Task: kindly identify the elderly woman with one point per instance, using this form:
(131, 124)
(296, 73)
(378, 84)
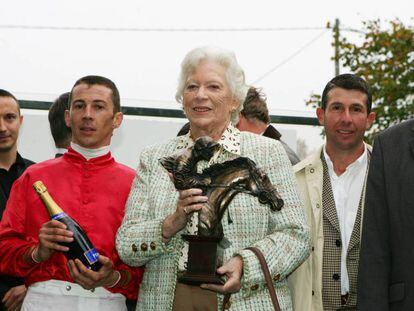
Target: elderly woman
(211, 89)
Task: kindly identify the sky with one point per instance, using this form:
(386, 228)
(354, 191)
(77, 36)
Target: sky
(46, 45)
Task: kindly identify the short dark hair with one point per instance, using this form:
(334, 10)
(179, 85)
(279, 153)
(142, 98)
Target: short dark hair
(61, 133)
(255, 107)
(93, 80)
(348, 81)
(4, 93)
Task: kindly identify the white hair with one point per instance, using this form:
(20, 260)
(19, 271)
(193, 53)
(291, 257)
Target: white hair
(227, 59)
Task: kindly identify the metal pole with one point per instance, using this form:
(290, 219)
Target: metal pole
(336, 44)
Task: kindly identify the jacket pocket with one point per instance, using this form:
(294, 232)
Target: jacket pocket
(396, 292)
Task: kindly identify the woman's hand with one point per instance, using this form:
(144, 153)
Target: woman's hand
(189, 201)
(233, 269)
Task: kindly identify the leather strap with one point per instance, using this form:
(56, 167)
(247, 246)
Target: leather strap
(267, 276)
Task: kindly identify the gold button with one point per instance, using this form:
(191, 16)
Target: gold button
(134, 248)
(276, 277)
(144, 247)
(254, 287)
(153, 246)
(227, 305)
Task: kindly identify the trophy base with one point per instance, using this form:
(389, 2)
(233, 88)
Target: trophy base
(194, 279)
(203, 260)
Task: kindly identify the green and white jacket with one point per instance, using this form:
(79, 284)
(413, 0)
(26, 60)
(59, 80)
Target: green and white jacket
(282, 236)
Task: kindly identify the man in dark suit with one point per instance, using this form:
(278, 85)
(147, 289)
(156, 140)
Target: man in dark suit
(386, 277)
(61, 133)
(12, 165)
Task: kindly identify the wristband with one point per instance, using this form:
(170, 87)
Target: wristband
(33, 257)
(117, 280)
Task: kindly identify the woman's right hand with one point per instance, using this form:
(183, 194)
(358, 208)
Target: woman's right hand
(189, 201)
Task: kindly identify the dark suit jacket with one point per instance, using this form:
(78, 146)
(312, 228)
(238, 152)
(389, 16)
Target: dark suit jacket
(271, 132)
(20, 170)
(7, 282)
(386, 271)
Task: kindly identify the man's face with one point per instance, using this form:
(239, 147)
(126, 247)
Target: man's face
(10, 122)
(91, 116)
(345, 119)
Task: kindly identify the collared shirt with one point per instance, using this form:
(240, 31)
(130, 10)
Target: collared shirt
(7, 178)
(347, 189)
(229, 148)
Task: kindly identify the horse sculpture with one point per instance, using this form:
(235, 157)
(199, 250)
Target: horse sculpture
(220, 183)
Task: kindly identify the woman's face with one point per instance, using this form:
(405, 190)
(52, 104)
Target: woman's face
(208, 100)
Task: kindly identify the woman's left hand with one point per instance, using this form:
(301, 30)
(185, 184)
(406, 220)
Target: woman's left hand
(233, 269)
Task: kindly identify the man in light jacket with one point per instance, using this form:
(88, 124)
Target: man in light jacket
(332, 184)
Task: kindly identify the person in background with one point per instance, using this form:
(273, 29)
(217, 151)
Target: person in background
(332, 182)
(61, 133)
(255, 118)
(91, 188)
(12, 165)
(386, 273)
(211, 89)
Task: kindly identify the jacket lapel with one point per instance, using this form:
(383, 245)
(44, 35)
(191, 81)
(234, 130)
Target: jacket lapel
(329, 207)
(356, 232)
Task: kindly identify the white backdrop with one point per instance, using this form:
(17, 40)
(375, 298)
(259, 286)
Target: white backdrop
(136, 132)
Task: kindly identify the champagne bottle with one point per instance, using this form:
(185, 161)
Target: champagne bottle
(81, 247)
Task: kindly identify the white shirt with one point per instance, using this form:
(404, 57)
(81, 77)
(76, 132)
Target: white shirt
(347, 189)
(90, 153)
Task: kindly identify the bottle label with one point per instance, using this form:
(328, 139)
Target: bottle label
(59, 216)
(91, 255)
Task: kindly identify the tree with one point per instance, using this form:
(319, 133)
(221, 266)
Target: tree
(385, 58)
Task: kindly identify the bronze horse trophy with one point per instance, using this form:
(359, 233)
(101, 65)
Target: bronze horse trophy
(220, 183)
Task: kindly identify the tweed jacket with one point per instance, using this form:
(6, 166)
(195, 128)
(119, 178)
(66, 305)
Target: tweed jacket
(282, 236)
(305, 282)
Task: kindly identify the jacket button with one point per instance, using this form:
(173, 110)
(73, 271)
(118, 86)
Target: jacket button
(68, 287)
(335, 276)
(313, 293)
(153, 246)
(318, 205)
(276, 277)
(338, 243)
(134, 248)
(254, 287)
(313, 248)
(144, 247)
(312, 170)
